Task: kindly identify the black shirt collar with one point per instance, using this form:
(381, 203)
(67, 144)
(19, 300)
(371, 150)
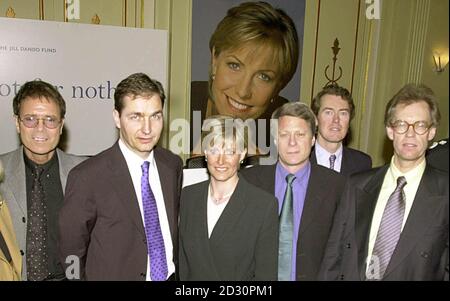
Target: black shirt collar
(31, 165)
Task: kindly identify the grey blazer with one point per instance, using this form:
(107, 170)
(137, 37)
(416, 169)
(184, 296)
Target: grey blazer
(14, 191)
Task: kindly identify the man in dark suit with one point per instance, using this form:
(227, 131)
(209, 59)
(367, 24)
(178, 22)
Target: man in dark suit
(437, 155)
(120, 214)
(392, 222)
(334, 109)
(39, 111)
(315, 190)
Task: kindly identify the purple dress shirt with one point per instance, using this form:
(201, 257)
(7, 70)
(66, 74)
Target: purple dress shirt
(299, 187)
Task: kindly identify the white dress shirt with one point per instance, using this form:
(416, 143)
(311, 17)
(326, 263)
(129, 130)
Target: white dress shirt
(134, 163)
(214, 211)
(323, 157)
(413, 178)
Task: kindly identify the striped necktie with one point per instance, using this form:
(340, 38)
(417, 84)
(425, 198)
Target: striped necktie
(332, 160)
(389, 232)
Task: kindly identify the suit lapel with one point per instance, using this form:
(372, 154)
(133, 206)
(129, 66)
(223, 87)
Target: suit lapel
(202, 220)
(230, 214)
(17, 181)
(313, 199)
(267, 177)
(366, 200)
(122, 183)
(166, 176)
(346, 162)
(426, 203)
(312, 156)
(64, 168)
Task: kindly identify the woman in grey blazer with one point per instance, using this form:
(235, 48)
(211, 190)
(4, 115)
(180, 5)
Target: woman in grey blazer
(228, 227)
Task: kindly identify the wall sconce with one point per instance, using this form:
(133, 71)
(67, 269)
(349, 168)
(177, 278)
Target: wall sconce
(440, 62)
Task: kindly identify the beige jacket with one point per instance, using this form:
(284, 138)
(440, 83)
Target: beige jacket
(9, 271)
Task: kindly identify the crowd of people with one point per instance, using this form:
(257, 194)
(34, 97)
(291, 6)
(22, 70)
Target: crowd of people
(320, 212)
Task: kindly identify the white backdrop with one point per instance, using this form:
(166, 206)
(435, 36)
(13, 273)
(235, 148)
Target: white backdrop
(85, 62)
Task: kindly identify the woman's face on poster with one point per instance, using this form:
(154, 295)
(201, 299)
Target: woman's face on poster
(244, 81)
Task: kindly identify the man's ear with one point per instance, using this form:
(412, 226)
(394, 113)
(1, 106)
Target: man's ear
(116, 117)
(431, 133)
(17, 123)
(62, 126)
(390, 132)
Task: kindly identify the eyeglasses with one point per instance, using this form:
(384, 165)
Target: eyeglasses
(31, 121)
(401, 127)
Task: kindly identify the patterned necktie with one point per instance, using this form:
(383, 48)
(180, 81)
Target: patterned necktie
(286, 233)
(155, 241)
(332, 160)
(36, 240)
(389, 231)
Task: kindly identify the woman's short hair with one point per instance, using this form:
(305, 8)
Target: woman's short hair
(261, 24)
(220, 129)
(409, 94)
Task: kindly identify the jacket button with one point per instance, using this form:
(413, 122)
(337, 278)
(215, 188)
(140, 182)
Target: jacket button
(424, 254)
(348, 246)
(143, 275)
(22, 253)
(24, 220)
(341, 277)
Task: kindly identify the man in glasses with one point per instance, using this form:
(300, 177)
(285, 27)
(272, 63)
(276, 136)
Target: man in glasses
(35, 178)
(392, 222)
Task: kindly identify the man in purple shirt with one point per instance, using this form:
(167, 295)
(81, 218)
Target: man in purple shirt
(313, 190)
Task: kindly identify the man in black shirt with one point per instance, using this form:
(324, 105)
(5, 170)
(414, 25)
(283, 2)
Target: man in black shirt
(35, 178)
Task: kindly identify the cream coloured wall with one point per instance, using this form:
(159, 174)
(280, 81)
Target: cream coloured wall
(437, 41)
(377, 57)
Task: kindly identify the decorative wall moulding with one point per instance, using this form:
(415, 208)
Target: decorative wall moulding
(332, 80)
(10, 13)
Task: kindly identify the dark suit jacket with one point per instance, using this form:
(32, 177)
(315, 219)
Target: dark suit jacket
(324, 191)
(100, 221)
(353, 161)
(422, 251)
(438, 155)
(244, 241)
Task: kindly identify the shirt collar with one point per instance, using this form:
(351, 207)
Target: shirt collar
(300, 175)
(322, 152)
(31, 165)
(133, 158)
(412, 176)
